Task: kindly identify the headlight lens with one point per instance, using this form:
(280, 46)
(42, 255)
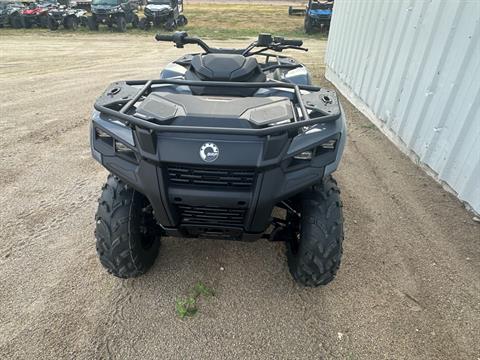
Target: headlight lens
(325, 147)
(329, 145)
(306, 155)
(124, 152)
(103, 136)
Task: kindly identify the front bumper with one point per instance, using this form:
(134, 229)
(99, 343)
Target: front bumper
(318, 20)
(234, 196)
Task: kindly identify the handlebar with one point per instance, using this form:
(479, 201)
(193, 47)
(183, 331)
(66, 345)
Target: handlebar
(161, 37)
(181, 38)
(288, 42)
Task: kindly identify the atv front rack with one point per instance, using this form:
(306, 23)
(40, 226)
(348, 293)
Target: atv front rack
(117, 104)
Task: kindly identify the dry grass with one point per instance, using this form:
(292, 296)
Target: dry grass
(228, 21)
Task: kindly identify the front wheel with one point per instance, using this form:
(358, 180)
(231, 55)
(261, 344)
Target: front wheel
(314, 249)
(182, 20)
(144, 24)
(126, 231)
(170, 24)
(92, 23)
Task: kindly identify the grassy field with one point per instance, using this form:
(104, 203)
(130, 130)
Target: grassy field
(219, 21)
(226, 21)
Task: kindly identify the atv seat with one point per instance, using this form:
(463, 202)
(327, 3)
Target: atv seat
(224, 67)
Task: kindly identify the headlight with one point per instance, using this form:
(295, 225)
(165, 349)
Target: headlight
(124, 151)
(329, 145)
(306, 155)
(103, 136)
(323, 148)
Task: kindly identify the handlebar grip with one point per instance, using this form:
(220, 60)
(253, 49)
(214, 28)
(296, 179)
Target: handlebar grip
(162, 37)
(292, 42)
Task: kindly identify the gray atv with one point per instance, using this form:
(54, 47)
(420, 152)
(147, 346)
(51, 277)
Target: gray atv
(233, 144)
(68, 16)
(10, 14)
(165, 13)
(113, 13)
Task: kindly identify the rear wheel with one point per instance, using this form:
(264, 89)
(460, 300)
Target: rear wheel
(135, 21)
(308, 25)
(16, 21)
(26, 23)
(52, 23)
(127, 241)
(92, 23)
(314, 248)
(121, 23)
(70, 23)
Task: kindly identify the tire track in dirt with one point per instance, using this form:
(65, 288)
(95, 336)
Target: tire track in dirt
(121, 297)
(35, 223)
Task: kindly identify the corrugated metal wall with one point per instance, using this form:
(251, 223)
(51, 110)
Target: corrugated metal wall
(413, 67)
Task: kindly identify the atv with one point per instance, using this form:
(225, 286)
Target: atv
(37, 14)
(113, 12)
(166, 13)
(10, 14)
(318, 15)
(69, 17)
(232, 144)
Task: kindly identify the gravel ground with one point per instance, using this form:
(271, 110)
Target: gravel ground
(408, 288)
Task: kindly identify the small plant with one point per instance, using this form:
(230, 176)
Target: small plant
(188, 307)
(201, 289)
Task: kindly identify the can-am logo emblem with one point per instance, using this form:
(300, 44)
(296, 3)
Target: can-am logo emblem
(209, 152)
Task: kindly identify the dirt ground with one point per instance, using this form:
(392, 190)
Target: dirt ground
(408, 287)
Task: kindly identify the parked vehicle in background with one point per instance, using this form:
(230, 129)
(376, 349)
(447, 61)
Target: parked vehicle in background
(68, 16)
(36, 14)
(296, 11)
(112, 13)
(318, 15)
(10, 14)
(166, 13)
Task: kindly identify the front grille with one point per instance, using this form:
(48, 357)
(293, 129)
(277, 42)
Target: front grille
(221, 177)
(209, 215)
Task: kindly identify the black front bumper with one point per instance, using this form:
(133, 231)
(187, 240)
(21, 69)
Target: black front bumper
(232, 198)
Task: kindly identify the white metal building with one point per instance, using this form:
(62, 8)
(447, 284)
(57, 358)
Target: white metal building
(413, 68)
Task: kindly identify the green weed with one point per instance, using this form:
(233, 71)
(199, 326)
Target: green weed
(188, 307)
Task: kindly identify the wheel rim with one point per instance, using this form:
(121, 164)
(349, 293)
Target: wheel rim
(147, 226)
(293, 228)
(147, 242)
(294, 242)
